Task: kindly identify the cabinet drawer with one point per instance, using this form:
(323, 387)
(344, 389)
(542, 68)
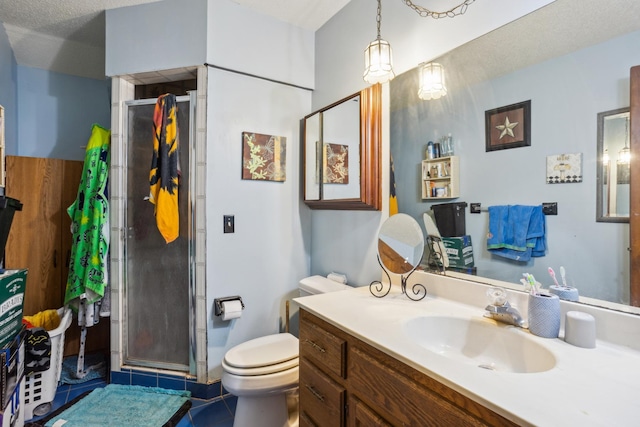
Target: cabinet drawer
(321, 399)
(323, 348)
(380, 385)
(360, 415)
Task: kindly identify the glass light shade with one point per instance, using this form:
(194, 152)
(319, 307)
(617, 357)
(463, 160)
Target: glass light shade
(624, 156)
(378, 65)
(432, 84)
(605, 157)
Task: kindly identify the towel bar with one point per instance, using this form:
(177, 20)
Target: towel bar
(550, 208)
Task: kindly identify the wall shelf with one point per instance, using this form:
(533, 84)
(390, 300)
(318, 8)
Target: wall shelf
(441, 178)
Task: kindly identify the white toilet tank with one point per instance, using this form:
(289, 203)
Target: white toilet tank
(319, 285)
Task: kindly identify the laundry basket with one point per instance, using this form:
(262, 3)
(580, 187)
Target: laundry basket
(40, 387)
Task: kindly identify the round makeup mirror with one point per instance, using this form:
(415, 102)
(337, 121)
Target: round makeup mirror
(400, 244)
(400, 250)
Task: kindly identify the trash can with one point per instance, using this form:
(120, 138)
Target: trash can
(450, 219)
(8, 206)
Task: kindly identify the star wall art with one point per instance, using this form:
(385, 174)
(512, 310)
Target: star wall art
(508, 126)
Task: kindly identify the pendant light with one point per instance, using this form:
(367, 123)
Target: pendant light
(432, 84)
(624, 155)
(378, 66)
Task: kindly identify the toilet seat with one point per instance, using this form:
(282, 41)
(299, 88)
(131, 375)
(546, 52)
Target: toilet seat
(262, 356)
(260, 370)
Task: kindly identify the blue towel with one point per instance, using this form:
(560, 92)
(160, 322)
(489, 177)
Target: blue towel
(517, 232)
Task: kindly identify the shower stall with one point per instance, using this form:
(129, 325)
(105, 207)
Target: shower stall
(158, 283)
(158, 290)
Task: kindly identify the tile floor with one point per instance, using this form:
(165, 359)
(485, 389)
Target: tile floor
(203, 413)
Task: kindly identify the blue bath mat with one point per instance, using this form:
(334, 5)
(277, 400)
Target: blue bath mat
(122, 405)
(95, 366)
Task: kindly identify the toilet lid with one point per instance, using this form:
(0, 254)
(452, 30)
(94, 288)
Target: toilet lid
(263, 351)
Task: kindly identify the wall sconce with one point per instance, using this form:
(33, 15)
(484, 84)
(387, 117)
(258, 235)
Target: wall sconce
(605, 157)
(378, 67)
(432, 84)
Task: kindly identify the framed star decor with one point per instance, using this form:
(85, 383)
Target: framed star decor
(508, 126)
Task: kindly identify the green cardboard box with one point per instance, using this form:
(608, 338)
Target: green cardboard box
(12, 287)
(459, 250)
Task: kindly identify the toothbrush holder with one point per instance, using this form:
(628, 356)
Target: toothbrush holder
(544, 315)
(565, 292)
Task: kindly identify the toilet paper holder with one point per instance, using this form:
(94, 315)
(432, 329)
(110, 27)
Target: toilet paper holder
(217, 303)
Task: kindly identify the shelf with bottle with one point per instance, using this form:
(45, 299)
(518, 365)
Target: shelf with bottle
(440, 178)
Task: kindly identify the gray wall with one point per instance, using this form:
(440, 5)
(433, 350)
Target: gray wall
(56, 112)
(566, 94)
(8, 91)
(48, 114)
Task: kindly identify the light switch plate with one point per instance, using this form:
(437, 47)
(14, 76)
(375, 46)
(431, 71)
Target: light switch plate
(229, 224)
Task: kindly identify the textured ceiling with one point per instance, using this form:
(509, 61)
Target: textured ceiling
(68, 36)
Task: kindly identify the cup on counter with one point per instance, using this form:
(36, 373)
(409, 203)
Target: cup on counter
(544, 315)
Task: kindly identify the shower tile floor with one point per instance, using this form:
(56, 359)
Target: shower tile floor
(203, 413)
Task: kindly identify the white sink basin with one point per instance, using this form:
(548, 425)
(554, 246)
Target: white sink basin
(481, 343)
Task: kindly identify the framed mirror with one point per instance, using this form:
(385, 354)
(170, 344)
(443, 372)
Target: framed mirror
(614, 156)
(342, 153)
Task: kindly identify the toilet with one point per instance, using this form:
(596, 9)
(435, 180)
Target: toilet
(263, 372)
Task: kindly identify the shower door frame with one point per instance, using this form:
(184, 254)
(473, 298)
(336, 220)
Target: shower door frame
(136, 362)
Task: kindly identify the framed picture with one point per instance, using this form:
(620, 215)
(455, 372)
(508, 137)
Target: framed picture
(336, 163)
(564, 168)
(264, 157)
(508, 127)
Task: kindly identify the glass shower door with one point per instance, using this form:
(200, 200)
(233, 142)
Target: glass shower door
(157, 275)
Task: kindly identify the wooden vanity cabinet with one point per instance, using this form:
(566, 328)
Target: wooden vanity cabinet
(346, 382)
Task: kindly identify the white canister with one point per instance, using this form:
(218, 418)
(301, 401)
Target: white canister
(580, 329)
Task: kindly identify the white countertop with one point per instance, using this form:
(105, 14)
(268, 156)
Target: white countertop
(587, 387)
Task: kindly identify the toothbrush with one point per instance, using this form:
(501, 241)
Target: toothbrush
(532, 283)
(553, 276)
(563, 274)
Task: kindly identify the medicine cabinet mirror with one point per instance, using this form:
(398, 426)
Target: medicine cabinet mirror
(614, 154)
(342, 153)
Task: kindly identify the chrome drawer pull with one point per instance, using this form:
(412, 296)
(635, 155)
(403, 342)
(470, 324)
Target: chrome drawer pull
(314, 345)
(315, 393)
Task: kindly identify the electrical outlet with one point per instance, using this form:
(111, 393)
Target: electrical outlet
(229, 224)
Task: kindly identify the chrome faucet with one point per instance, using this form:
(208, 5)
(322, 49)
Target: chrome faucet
(500, 309)
(505, 313)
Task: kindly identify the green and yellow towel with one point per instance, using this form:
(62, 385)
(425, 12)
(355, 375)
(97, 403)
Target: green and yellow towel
(90, 224)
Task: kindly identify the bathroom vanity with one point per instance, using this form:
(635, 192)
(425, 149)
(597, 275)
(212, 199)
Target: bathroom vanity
(343, 378)
(367, 361)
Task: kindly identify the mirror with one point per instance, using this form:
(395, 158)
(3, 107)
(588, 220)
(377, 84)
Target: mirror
(400, 250)
(342, 153)
(400, 244)
(614, 155)
(569, 80)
